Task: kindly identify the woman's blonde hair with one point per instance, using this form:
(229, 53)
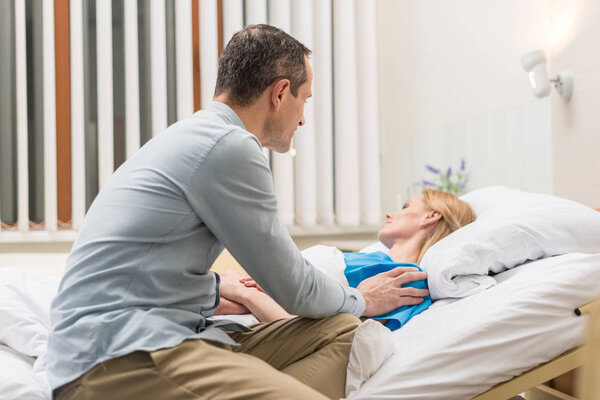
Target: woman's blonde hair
(455, 214)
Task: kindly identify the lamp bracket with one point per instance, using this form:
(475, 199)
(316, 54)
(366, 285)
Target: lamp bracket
(563, 83)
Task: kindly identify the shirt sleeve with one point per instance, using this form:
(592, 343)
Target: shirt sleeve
(232, 193)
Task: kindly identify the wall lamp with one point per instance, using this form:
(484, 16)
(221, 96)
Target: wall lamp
(535, 64)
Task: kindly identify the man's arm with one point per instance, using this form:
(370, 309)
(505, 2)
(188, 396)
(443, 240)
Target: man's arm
(376, 287)
(232, 193)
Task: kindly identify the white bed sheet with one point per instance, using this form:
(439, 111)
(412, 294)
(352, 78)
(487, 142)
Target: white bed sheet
(458, 349)
(18, 380)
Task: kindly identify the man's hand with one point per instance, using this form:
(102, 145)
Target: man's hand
(231, 287)
(384, 292)
(230, 290)
(228, 307)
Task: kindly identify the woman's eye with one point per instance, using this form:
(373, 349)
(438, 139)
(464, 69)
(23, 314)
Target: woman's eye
(404, 206)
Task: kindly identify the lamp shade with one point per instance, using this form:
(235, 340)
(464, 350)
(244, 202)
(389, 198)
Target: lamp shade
(534, 63)
(538, 79)
(533, 58)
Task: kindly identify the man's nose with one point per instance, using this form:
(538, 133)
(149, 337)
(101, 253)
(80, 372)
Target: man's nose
(301, 123)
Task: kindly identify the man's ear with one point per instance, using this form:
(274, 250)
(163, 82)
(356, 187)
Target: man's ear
(432, 218)
(278, 93)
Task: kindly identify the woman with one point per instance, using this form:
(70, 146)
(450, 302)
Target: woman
(408, 233)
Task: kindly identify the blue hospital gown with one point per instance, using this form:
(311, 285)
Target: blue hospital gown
(360, 266)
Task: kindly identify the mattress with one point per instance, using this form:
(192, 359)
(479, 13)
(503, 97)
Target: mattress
(458, 349)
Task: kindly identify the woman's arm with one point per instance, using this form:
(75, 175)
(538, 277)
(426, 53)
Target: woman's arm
(264, 308)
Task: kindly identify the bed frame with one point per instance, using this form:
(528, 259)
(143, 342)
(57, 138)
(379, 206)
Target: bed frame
(586, 356)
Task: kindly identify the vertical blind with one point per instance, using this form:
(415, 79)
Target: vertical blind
(83, 84)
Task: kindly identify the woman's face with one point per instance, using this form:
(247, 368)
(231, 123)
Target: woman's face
(404, 223)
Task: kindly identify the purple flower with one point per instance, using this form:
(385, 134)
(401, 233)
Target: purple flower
(427, 183)
(449, 172)
(432, 169)
(462, 185)
(462, 164)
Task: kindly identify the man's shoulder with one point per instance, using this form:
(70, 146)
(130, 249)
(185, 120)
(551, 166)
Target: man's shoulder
(218, 132)
(238, 141)
(198, 144)
(195, 137)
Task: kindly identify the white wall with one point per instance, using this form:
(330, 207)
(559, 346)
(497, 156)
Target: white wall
(576, 124)
(450, 79)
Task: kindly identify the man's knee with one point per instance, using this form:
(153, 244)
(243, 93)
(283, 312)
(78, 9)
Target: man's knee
(345, 322)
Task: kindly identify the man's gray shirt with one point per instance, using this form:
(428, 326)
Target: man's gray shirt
(138, 275)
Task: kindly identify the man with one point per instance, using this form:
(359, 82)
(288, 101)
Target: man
(130, 319)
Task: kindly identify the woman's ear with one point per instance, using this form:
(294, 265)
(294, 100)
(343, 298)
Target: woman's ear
(280, 89)
(432, 217)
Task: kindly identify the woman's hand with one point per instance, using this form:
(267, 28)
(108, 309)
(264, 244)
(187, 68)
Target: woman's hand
(251, 297)
(384, 292)
(248, 281)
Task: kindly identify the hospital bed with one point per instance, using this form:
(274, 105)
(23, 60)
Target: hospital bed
(494, 344)
(515, 335)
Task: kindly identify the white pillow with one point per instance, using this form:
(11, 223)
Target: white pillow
(511, 227)
(329, 260)
(25, 299)
(17, 379)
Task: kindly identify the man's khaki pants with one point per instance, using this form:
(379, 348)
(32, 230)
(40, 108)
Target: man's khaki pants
(295, 358)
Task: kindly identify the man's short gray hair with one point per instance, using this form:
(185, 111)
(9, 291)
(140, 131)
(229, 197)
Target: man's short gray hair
(254, 58)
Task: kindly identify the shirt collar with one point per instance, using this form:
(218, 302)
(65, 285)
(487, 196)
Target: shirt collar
(226, 113)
